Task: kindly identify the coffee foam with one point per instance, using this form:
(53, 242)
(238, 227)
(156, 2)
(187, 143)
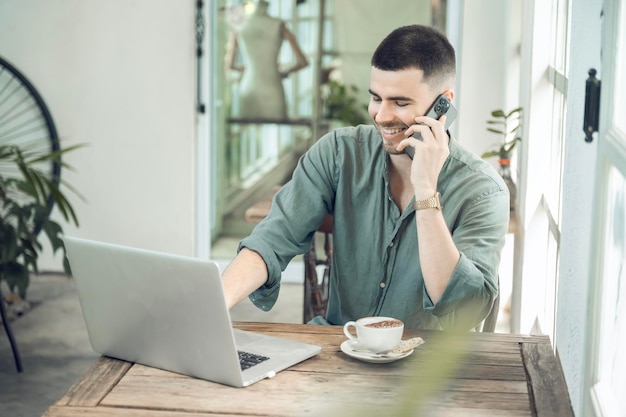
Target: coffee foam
(384, 324)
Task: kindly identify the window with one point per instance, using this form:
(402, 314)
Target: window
(543, 144)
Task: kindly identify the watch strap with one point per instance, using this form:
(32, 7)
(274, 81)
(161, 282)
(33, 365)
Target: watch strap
(431, 202)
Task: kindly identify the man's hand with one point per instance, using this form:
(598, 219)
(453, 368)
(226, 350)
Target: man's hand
(431, 152)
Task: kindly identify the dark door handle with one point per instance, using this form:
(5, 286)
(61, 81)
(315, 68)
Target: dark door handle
(592, 105)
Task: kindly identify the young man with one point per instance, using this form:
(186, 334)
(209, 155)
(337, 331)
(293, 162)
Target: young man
(417, 239)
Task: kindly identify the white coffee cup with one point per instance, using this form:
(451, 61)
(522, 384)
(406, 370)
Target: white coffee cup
(376, 334)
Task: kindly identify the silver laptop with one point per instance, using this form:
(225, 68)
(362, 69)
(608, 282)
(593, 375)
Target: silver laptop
(169, 312)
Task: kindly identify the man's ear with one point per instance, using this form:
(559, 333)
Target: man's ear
(449, 93)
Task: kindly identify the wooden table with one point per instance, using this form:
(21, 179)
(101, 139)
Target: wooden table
(478, 374)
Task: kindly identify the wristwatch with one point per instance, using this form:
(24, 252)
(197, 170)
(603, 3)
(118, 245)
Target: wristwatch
(432, 202)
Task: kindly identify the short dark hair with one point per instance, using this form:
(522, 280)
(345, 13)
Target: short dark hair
(417, 46)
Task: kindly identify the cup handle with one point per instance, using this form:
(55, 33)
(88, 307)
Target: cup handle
(346, 330)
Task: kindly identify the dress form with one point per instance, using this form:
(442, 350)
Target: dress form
(259, 40)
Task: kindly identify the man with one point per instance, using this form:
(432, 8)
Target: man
(432, 267)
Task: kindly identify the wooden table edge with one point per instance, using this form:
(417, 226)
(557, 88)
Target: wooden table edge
(96, 383)
(547, 388)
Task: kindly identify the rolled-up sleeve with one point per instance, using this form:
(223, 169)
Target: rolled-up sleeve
(479, 237)
(297, 210)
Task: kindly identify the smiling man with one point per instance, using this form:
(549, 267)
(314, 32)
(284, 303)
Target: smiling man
(417, 239)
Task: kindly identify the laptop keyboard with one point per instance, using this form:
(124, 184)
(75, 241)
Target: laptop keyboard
(248, 360)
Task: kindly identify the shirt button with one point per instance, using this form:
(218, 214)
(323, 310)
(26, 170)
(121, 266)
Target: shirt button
(391, 244)
(382, 285)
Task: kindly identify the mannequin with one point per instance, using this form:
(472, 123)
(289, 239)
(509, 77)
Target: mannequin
(259, 39)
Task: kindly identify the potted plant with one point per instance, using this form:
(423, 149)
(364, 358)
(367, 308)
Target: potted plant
(341, 104)
(507, 125)
(27, 195)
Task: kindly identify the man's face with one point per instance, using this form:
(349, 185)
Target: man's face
(396, 98)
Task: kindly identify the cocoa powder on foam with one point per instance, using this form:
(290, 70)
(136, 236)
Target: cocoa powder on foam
(384, 324)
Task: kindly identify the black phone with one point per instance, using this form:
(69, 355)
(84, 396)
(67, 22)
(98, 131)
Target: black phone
(440, 106)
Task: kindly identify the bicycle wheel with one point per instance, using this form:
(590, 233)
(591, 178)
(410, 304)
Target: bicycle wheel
(25, 121)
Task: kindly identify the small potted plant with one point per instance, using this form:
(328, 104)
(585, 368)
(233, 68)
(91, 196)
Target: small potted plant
(507, 125)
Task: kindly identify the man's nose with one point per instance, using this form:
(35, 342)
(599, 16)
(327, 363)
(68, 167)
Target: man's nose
(385, 113)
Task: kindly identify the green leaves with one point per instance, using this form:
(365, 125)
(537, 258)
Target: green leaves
(507, 126)
(340, 103)
(26, 191)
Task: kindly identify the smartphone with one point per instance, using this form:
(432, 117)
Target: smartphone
(440, 106)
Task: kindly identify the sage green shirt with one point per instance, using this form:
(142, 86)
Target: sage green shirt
(375, 266)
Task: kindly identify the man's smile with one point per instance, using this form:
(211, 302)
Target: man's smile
(390, 132)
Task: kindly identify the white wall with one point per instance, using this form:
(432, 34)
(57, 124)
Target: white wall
(488, 67)
(119, 76)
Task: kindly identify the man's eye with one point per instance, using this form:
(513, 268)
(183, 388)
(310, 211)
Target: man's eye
(401, 104)
(375, 98)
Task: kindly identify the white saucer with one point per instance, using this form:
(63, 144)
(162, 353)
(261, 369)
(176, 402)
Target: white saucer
(349, 348)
